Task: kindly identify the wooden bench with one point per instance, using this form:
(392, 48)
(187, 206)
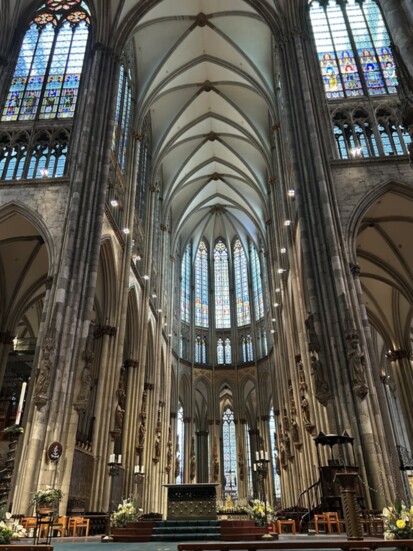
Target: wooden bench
(304, 543)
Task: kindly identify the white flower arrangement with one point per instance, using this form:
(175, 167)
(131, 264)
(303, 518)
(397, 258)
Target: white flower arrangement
(258, 510)
(127, 512)
(398, 520)
(10, 529)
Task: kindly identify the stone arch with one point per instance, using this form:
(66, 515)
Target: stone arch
(107, 283)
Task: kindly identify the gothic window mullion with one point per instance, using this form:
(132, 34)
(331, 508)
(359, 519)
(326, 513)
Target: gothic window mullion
(325, 6)
(342, 4)
(59, 98)
(361, 2)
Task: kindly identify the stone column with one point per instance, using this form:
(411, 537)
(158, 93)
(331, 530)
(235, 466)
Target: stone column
(202, 455)
(400, 20)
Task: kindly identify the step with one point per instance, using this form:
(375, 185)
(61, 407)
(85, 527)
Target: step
(131, 538)
(188, 523)
(185, 537)
(185, 530)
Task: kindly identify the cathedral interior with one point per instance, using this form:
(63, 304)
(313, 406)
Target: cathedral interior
(205, 210)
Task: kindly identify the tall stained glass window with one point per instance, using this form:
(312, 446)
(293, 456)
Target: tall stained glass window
(186, 285)
(201, 286)
(353, 48)
(220, 352)
(229, 445)
(242, 297)
(247, 349)
(122, 117)
(257, 284)
(273, 440)
(228, 351)
(200, 350)
(249, 465)
(46, 79)
(180, 443)
(221, 274)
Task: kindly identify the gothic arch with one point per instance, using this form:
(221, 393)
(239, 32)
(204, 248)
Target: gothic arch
(107, 282)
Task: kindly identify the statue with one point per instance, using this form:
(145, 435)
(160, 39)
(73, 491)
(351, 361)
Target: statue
(192, 467)
(287, 444)
(357, 364)
(322, 389)
(157, 449)
(305, 408)
(119, 414)
(313, 342)
(44, 372)
(142, 433)
(295, 435)
(240, 466)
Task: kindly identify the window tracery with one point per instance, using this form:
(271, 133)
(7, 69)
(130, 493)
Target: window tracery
(353, 48)
(123, 112)
(242, 297)
(257, 284)
(201, 286)
(229, 444)
(186, 285)
(221, 272)
(45, 83)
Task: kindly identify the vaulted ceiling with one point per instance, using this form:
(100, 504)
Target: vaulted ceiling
(205, 74)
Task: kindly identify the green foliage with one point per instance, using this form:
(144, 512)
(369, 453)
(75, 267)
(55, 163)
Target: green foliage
(398, 520)
(47, 497)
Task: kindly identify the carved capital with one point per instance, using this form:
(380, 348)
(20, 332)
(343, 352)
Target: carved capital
(354, 269)
(102, 330)
(131, 363)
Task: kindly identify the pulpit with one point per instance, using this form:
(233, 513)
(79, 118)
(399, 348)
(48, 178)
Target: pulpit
(192, 501)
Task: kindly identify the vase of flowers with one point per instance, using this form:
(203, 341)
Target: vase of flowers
(47, 501)
(10, 529)
(258, 511)
(126, 512)
(398, 521)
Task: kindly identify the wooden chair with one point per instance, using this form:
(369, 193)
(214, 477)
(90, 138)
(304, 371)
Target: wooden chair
(290, 523)
(333, 521)
(29, 523)
(320, 520)
(60, 526)
(78, 523)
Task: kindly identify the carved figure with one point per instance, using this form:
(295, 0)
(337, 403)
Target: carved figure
(119, 414)
(322, 389)
(295, 435)
(44, 374)
(287, 444)
(240, 466)
(142, 433)
(357, 367)
(305, 408)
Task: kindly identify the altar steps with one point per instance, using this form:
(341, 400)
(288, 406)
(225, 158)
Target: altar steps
(189, 530)
(186, 530)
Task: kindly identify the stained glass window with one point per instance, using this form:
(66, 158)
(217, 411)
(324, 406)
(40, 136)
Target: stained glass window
(201, 286)
(229, 445)
(122, 117)
(348, 71)
(228, 351)
(273, 439)
(180, 443)
(247, 349)
(186, 284)
(200, 350)
(46, 79)
(249, 465)
(220, 352)
(222, 306)
(257, 284)
(242, 297)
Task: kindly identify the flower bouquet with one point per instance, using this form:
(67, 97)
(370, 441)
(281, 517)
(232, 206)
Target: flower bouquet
(10, 529)
(398, 521)
(127, 512)
(258, 510)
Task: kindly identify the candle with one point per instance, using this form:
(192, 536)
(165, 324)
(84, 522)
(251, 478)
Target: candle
(255, 467)
(119, 459)
(112, 458)
(142, 470)
(266, 456)
(261, 454)
(20, 406)
(257, 456)
(136, 469)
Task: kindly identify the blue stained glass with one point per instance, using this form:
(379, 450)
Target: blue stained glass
(39, 80)
(229, 445)
(241, 285)
(257, 284)
(339, 66)
(186, 284)
(221, 273)
(220, 352)
(228, 352)
(341, 143)
(201, 286)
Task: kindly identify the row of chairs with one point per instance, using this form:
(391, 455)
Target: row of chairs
(61, 526)
(330, 522)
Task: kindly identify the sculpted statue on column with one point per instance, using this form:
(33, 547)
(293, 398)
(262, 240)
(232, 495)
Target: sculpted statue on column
(357, 365)
(41, 391)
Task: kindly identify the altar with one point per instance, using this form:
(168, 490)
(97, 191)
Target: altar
(192, 501)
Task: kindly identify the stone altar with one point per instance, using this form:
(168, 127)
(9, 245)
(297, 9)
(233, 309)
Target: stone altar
(191, 501)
